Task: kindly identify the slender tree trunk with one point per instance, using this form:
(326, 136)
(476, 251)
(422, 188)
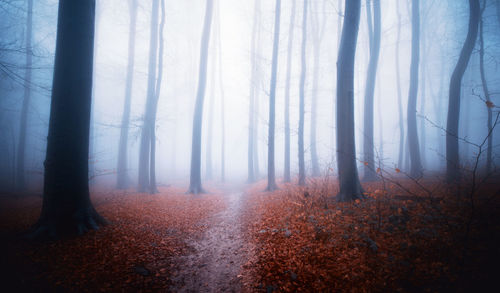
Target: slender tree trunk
(252, 107)
(452, 155)
(66, 206)
(145, 147)
(333, 124)
(423, 94)
(21, 146)
(222, 105)
(195, 178)
(400, 98)
(302, 169)
(415, 164)
(122, 168)
(271, 181)
(368, 142)
(350, 188)
(208, 158)
(152, 163)
(486, 93)
(291, 27)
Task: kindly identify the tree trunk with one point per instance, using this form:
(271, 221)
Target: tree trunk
(350, 188)
(302, 169)
(222, 105)
(271, 181)
(152, 163)
(145, 147)
(400, 99)
(21, 146)
(286, 171)
(423, 94)
(368, 143)
(122, 168)
(208, 155)
(66, 203)
(252, 107)
(415, 164)
(452, 155)
(486, 93)
(195, 178)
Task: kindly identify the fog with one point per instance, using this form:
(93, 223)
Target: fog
(443, 31)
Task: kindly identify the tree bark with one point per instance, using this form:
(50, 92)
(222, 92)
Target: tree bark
(302, 169)
(350, 187)
(286, 170)
(368, 142)
(195, 178)
(21, 146)
(452, 154)
(222, 105)
(271, 181)
(145, 147)
(67, 208)
(415, 163)
(122, 168)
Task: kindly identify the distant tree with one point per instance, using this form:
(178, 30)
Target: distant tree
(291, 27)
(452, 158)
(122, 169)
(302, 169)
(271, 181)
(21, 146)
(400, 99)
(195, 178)
(66, 203)
(374, 37)
(318, 32)
(147, 126)
(486, 91)
(222, 105)
(253, 101)
(350, 187)
(415, 164)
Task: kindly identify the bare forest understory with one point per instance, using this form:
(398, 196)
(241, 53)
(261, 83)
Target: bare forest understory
(405, 236)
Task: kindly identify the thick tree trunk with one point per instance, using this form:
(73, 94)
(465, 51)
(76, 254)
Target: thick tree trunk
(368, 142)
(350, 188)
(286, 170)
(302, 169)
(486, 92)
(271, 181)
(415, 164)
(195, 178)
(122, 168)
(452, 154)
(152, 163)
(21, 146)
(400, 99)
(66, 206)
(252, 107)
(145, 147)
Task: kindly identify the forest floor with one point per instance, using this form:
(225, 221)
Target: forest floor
(405, 236)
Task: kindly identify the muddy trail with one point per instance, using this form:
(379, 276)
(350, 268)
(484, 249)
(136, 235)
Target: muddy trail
(217, 257)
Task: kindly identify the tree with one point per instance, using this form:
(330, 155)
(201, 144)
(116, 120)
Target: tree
(252, 137)
(21, 146)
(400, 99)
(415, 164)
(318, 32)
(222, 110)
(66, 203)
(291, 27)
(195, 178)
(486, 92)
(302, 169)
(271, 181)
(374, 37)
(122, 171)
(350, 187)
(145, 147)
(452, 158)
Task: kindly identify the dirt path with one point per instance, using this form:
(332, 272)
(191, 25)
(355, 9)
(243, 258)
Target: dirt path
(215, 264)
